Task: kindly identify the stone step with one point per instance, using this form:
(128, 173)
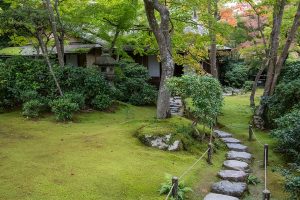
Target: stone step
(240, 156)
(231, 140)
(236, 189)
(222, 134)
(237, 147)
(214, 196)
(232, 175)
(236, 165)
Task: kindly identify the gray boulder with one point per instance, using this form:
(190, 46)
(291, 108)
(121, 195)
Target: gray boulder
(214, 196)
(235, 189)
(236, 165)
(233, 175)
(240, 156)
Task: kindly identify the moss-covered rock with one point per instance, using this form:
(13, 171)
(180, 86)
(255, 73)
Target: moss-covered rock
(173, 134)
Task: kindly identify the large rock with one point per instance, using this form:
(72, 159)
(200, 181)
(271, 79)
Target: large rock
(214, 196)
(231, 140)
(161, 142)
(236, 165)
(222, 134)
(233, 175)
(240, 156)
(235, 189)
(237, 147)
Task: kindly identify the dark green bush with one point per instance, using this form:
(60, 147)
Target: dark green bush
(287, 94)
(76, 98)
(247, 87)
(64, 109)
(287, 134)
(132, 84)
(236, 75)
(32, 108)
(24, 79)
(101, 102)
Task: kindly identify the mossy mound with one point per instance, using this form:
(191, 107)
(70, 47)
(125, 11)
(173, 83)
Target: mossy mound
(168, 131)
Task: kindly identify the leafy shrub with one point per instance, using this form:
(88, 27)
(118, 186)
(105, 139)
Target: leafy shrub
(292, 185)
(237, 75)
(23, 79)
(205, 92)
(76, 98)
(167, 186)
(287, 134)
(132, 85)
(101, 102)
(252, 180)
(247, 87)
(64, 109)
(32, 108)
(287, 94)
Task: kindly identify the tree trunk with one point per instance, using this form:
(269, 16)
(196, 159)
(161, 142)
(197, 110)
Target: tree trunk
(163, 38)
(55, 35)
(61, 36)
(273, 52)
(213, 42)
(254, 86)
(46, 56)
(284, 54)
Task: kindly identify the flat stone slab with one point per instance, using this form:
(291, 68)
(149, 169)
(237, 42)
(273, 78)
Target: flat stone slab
(240, 156)
(236, 165)
(237, 147)
(222, 134)
(235, 189)
(214, 196)
(233, 175)
(231, 140)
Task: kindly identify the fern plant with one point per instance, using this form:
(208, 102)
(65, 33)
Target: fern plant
(252, 180)
(167, 186)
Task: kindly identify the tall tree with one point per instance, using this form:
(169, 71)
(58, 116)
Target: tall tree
(162, 34)
(55, 33)
(276, 61)
(212, 34)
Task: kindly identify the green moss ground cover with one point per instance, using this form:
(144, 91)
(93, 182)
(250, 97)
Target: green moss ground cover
(95, 157)
(235, 118)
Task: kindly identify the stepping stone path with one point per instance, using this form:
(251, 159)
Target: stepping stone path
(176, 106)
(235, 173)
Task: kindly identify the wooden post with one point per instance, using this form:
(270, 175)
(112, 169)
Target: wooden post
(266, 154)
(250, 132)
(266, 194)
(209, 153)
(175, 187)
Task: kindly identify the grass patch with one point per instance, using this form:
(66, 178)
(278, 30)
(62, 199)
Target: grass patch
(95, 157)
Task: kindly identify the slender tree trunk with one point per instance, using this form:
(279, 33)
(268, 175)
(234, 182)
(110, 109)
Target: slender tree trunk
(46, 56)
(61, 36)
(284, 54)
(213, 42)
(54, 31)
(254, 86)
(163, 38)
(113, 43)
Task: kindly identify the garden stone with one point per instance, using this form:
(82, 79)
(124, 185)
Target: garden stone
(235, 189)
(214, 196)
(233, 175)
(237, 147)
(161, 142)
(175, 146)
(240, 156)
(222, 134)
(236, 165)
(231, 140)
